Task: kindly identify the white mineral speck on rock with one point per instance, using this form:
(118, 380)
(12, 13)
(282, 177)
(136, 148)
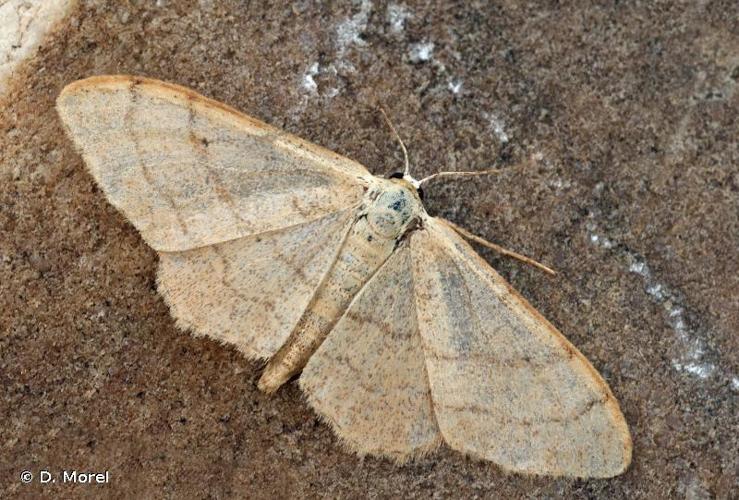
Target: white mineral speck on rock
(498, 128)
(421, 52)
(700, 370)
(599, 240)
(639, 268)
(309, 83)
(455, 86)
(349, 31)
(396, 17)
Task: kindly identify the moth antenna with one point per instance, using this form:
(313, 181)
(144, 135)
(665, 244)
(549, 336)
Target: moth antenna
(522, 165)
(508, 253)
(406, 171)
(460, 174)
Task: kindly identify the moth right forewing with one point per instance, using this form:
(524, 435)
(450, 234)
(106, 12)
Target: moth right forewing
(189, 172)
(506, 385)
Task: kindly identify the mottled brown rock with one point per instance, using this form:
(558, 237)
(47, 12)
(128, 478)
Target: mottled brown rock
(632, 110)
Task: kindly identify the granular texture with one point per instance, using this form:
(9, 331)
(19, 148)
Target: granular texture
(624, 115)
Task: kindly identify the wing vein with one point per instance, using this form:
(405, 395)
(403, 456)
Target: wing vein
(423, 343)
(279, 256)
(200, 147)
(512, 362)
(146, 173)
(573, 416)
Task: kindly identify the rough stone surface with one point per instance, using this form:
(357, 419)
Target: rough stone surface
(23, 25)
(624, 115)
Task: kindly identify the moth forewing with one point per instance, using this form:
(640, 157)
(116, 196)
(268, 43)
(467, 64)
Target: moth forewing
(190, 172)
(505, 384)
(295, 254)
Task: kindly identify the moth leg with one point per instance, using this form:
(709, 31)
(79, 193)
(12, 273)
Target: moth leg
(508, 253)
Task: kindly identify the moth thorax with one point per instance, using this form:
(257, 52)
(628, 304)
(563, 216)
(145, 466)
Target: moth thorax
(392, 210)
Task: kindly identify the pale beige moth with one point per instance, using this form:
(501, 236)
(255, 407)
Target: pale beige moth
(404, 338)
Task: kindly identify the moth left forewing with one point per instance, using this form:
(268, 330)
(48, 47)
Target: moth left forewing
(506, 385)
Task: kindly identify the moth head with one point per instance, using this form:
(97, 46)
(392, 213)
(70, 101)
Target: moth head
(410, 181)
(394, 208)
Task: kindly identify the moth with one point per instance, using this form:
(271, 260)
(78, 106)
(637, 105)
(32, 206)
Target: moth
(404, 338)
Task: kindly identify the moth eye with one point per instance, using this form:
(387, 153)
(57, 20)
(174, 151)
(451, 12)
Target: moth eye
(420, 193)
(395, 175)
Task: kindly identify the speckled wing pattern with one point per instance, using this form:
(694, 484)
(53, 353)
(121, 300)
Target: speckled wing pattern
(436, 347)
(190, 172)
(506, 386)
(247, 219)
(368, 377)
(251, 291)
